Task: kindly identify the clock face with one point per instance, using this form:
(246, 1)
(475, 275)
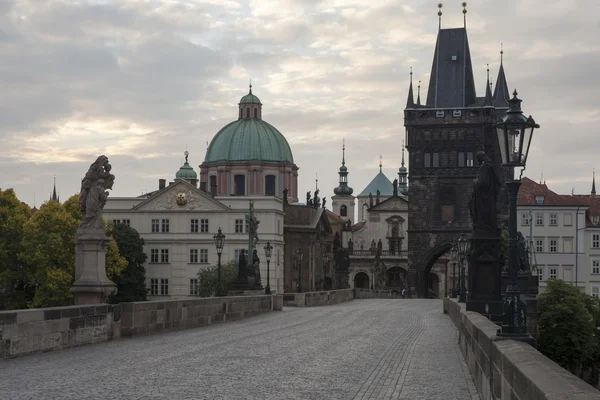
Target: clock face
(181, 199)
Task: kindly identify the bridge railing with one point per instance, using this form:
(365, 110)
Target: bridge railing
(384, 253)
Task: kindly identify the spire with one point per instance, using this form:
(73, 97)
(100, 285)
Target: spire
(464, 4)
(488, 92)
(402, 153)
(343, 152)
(402, 174)
(343, 188)
(440, 16)
(419, 94)
(594, 183)
(380, 163)
(410, 102)
(250, 87)
(501, 93)
(54, 196)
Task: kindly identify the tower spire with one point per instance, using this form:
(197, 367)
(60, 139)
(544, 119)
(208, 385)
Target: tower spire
(488, 92)
(440, 16)
(250, 85)
(501, 93)
(402, 174)
(380, 163)
(594, 182)
(54, 196)
(343, 188)
(464, 4)
(410, 102)
(343, 152)
(419, 94)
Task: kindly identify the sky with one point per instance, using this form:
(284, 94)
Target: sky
(142, 81)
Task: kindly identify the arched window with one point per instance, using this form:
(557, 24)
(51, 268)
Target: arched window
(213, 185)
(248, 112)
(239, 183)
(343, 211)
(365, 207)
(255, 112)
(395, 230)
(270, 185)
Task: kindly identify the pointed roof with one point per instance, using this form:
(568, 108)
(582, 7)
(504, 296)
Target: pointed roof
(54, 197)
(410, 102)
(451, 83)
(381, 182)
(343, 189)
(488, 91)
(501, 93)
(594, 183)
(419, 94)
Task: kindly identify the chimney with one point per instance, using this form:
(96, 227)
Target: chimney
(162, 183)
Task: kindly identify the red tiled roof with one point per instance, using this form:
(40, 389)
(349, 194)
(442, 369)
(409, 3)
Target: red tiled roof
(358, 226)
(530, 189)
(593, 202)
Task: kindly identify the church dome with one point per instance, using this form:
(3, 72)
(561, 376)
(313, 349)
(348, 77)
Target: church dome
(186, 172)
(250, 98)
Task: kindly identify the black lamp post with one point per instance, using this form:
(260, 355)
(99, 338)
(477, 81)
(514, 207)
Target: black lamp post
(299, 255)
(268, 248)
(219, 238)
(514, 137)
(454, 258)
(463, 251)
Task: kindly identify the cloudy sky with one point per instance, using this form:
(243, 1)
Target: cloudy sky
(142, 80)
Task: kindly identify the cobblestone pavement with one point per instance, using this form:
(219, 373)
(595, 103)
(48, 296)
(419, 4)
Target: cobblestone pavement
(363, 349)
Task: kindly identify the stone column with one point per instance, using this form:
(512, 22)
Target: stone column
(91, 286)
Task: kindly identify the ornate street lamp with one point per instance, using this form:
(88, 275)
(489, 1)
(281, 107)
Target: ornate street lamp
(299, 256)
(463, 252)
(453, 258)
(514, 137)
(219, 239)
(268, 248)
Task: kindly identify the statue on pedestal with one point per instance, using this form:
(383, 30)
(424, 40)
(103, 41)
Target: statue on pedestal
(482, 204)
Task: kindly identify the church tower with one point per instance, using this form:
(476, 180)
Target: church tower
(343, 201)
(442, 137)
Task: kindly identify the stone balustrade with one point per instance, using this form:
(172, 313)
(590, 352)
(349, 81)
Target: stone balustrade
(311, 299)
(509, 369)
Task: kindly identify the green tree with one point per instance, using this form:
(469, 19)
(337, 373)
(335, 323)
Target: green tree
(115, 263)
(15, 291)
(566, 328)
(131, 283)
(207, 279)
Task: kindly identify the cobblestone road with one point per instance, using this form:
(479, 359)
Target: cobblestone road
(363, 349)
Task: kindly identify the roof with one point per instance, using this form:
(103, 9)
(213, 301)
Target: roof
(186, 172)
(529, 190)
(249, 139)
(593, 202)
(501, 93)
(250, 98)
(358, 226)
(381, 182)
(300, 217)
(451, 82)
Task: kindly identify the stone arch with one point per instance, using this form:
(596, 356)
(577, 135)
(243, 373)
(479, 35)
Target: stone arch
(361, 280)
(396, 278)
(425, 264)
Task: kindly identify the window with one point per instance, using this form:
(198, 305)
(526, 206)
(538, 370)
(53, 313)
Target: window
(436, 160)
(153, 255)
(539, 200)
(461, 159)
(469, 159)
(595, 266)
(194, 226)
(164, 255)
(595, 291)
(155, 226)
(427, 160)
(553, 245)
(540, 273)
(567, 219)
(164, 225)
(204, 255)
(525, 219)
(539, 219)
(213, 185)
(194, 287)
(164, 287)
(553, 219)
(539, 245)
(122, 221)
(154, 286)
(567, 245)
(596, 241)
(270, 185)
(239, 185)
(256, 113)
(343, 211)
(248, 112)
(553, 273)
(204, 225)
(239, 226)
(193, 256)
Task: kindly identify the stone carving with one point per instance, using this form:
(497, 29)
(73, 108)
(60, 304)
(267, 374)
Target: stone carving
(252, 223)
(181, 199)
(324, 200)
(93, 192)
(308, 201)
(254, 271)
(316, 200)
(395, 185)
(171, 200)
(482, 204)
(350, 246)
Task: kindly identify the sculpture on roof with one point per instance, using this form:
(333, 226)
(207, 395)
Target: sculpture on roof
(94, 192)
(316, 200)
(395, 185)
(308, 201)
(377, 198)
(482, 204)
(324, 201)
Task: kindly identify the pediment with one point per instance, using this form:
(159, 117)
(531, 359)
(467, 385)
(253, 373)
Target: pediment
(394, 203)
(181, 196)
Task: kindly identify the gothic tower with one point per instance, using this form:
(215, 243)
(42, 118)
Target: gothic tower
(343, 201)
(442, 137)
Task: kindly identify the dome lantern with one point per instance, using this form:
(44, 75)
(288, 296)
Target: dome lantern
(186, 172)
(250, 106)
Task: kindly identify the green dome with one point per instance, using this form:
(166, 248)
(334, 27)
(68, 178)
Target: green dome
(250, 98)
(186, 172)
(249, 139)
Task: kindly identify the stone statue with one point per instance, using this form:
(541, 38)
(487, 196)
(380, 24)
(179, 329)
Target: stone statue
(337, 242)
(377, 198)
(316, 199)
(256, 268)
(94, 192)
(350, 246)
(523, 252)
(285, 195)
(324, 200)
(482, 204)
(308, 202)
(373, 247)
(242, 265)
(252, 223)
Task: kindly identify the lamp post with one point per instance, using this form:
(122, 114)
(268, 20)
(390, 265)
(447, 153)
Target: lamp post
(463, 251)
(514, 137)
(453, 258)
(219, 238)
(268, 248)
(299, 255)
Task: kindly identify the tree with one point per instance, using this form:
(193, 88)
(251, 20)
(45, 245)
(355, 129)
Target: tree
(566, 328)
(15, 292)
(131, 283)
(207, 279)
(115, 263)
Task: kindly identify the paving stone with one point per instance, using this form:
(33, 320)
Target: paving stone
(363, 349)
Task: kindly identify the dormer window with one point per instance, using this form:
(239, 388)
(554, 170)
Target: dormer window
(539, 200)
(595, 219)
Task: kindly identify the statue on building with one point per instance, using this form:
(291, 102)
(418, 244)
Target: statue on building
(350, 246)
(324, 200)
(373, 247)
(380, 246)
(94, 192)
(316, 199)
(523, 252)
(252, 224)
(308, 201)
(482, 204)
(377, 198)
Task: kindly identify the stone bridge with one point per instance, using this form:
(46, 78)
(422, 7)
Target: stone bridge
(363, 349)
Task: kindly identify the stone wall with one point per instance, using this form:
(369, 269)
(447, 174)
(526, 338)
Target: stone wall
(375, 294)
(311, 299)
(509, 369)
(38, 330)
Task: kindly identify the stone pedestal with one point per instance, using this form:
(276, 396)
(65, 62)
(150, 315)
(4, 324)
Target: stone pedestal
(91, 286)
(484, 284)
